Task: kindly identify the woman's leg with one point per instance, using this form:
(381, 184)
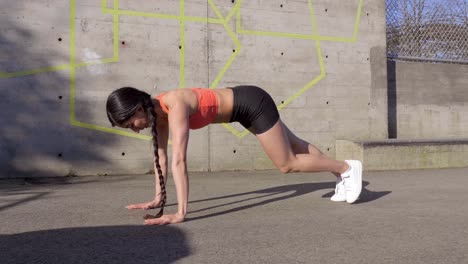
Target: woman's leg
(292, 154)
(300, 146)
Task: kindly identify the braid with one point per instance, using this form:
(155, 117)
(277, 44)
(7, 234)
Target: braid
(148, 105)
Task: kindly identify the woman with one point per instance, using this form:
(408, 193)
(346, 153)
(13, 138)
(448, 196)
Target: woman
(185, 109)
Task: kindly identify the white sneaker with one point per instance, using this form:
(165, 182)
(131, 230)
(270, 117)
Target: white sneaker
(352, 180)
(340, 192)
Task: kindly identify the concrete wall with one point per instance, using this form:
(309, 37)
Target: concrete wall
(428, 101)
(322, 61)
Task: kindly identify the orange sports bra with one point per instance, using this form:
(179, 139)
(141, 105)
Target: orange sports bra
(207, 107)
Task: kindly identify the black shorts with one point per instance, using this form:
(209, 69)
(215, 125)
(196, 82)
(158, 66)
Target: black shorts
(254, 108)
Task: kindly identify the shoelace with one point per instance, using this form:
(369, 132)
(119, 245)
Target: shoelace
(339, 188)
(347, 184)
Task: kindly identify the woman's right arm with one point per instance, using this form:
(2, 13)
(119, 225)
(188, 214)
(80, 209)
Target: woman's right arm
(179, 122)
(163, 137)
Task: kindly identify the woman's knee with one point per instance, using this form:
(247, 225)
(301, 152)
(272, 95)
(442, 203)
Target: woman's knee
(285, 170)
(286, 167)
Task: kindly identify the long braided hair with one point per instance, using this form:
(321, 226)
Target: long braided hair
(121, 106)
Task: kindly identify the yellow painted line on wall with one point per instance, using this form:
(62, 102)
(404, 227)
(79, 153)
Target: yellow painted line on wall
(231, 59)
(233, 11)
(320, 58)
(356, 23)
(116, 31)
(73, 120)
(294, 35)
(164, 16)
(237, 44)
(235, 132)
(232, 129)
(57, 68)
(159, 15)
(215, 9)
(303, 89)
(317, 42)
(72, 54)
(315, 36)
(72, 95)
(141, 14)
(239, 29)
(115, 44)
(182, 19)
(103, 6)
(110, 130)
(35, 71)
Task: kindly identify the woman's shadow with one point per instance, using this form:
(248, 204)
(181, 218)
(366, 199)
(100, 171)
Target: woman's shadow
(288, 191)
(103, 244)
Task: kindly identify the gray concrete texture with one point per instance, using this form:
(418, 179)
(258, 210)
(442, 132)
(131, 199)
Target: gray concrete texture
(428, 101)
(56, 72)
(239, 217)
(399, 154)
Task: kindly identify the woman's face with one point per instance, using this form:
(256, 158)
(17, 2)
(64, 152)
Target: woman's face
(137, 122)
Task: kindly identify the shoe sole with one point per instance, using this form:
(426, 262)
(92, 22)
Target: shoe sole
(333, 199)
(342, 200)
(358, 166)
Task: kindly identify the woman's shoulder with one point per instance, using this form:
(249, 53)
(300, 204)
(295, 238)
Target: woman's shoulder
(168, 94)
(176, 96)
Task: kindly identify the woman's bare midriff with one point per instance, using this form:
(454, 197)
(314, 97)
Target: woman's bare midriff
(225, 105)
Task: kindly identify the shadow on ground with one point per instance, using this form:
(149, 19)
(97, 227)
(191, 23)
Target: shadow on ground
(108, 244)
(24, 190)
(290, 191)
(366, 195)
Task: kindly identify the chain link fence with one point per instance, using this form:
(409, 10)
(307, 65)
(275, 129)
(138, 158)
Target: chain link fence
(428, 30)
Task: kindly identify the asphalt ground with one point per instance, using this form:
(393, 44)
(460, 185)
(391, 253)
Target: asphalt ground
(239, 217)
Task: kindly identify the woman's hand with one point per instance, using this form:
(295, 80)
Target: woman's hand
(166, 219)
(145, 206)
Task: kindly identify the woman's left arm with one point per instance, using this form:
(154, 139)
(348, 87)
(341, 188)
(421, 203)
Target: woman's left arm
(179, 124)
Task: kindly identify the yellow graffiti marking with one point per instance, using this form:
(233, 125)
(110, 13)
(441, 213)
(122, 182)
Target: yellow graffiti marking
(115, 58)
(220, 20)
(315, 36)
(237, 44)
